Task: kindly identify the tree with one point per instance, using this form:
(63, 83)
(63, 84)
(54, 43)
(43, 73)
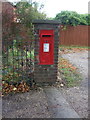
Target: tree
(83, 19)
(88, 19)
(7, 24)
(28, 11)
(71, 18)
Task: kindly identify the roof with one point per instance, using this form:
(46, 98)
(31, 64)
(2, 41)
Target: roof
(46, 22)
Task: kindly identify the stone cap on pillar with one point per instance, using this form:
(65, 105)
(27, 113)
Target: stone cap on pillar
(46, 22)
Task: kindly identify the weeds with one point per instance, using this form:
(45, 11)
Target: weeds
(69, 73)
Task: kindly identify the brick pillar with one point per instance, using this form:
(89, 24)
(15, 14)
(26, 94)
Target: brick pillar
(46, 73)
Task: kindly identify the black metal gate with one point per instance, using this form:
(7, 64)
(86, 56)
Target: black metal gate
(18, 59)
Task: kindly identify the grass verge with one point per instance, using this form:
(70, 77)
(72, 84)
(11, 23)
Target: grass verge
(69, 73)
(72, 49)
(72, 46)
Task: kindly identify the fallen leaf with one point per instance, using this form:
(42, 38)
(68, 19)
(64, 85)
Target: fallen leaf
(14, 89)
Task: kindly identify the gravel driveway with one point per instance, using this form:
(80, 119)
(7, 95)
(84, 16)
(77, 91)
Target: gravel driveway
(78, 96)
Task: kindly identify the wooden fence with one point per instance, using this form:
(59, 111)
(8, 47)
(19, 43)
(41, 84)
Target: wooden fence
(77, 35)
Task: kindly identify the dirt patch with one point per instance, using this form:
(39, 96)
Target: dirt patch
(32, 104)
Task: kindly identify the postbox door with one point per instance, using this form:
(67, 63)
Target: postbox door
(46, 50)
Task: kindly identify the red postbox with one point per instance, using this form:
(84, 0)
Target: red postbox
(46, 49)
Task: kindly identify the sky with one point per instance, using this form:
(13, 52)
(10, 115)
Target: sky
(53, 7)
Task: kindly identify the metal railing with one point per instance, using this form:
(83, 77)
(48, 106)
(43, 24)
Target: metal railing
(18, 60)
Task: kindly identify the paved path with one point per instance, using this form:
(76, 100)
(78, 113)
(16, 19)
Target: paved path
(58, 106)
